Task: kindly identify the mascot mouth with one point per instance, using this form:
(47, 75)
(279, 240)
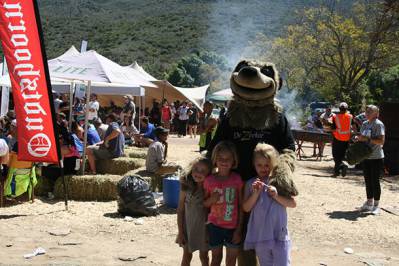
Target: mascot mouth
(251, 84)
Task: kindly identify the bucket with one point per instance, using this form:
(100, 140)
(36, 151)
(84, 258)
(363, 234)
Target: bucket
(171, 189)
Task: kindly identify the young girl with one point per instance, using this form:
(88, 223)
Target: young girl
(267, 226)
(191, 214)
(223, 195)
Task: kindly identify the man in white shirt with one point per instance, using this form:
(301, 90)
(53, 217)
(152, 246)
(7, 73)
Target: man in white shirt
(93, 107)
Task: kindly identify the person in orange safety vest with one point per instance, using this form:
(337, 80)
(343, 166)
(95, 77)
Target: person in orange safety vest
(342, 134)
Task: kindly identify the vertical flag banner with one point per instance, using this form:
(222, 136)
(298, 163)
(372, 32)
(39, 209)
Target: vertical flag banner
(21, 38)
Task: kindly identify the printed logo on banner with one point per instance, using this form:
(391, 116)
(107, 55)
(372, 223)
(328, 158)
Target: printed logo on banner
(19, 33)
(39, 145)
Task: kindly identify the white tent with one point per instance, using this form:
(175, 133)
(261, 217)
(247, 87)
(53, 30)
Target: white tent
(221, 96)
(99, 70)
(165, 90)
(92, 67)
(225, 92)
(142, 72)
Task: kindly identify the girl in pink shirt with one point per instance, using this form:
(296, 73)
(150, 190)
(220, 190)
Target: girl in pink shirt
(223, 195)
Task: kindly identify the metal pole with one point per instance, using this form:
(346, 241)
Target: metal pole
(71, 93)
(64, 183)
(88, 89)
(140, 99)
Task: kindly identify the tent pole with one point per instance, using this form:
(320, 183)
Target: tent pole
(139, 115)
(88, 89)
(70, 104)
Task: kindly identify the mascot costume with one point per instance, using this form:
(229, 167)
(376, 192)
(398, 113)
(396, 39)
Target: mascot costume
(254, 117)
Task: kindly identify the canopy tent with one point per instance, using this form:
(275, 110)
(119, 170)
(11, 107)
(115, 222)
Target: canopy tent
(221, 95)
(92, 67)
(107, 77)
(165, 90)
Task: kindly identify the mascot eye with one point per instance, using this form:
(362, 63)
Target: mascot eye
(241, 65)
(268, 71)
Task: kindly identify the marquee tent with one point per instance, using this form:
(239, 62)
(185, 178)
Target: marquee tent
(221, 95)
(165, 90)
(92, 67)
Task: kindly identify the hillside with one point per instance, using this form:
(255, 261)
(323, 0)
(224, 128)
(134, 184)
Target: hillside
(158, 33)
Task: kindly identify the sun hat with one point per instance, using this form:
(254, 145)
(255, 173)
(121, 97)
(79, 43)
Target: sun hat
(127, 96)
(3, 147)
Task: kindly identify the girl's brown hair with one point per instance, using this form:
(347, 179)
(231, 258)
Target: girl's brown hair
(225, 146)
(187, 182)
(266, 151)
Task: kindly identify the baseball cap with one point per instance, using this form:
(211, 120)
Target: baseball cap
(3, 147)
(161, 130)
(343, 105)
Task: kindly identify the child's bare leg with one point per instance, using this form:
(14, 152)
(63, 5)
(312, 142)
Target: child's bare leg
(231, 256)
(204, 257)
(217, 256)
(187, 256)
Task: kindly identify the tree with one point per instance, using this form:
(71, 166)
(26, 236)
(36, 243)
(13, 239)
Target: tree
(384, 86)
(198, 69)
(333, 52)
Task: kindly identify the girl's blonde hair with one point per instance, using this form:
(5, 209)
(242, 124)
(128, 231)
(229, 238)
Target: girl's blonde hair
(186, 179)
(225, 146)
(266, 151)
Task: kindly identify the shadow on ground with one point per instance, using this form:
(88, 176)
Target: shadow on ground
(347, 215)
(163, 209)
(11, 216)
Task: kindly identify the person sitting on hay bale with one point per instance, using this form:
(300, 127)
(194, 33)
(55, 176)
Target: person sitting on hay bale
(147, 134)
(71, 158)
(111, 147)
(156, 156)
(157, 152)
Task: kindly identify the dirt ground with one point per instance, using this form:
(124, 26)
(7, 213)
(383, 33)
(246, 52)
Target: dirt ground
(324, 223)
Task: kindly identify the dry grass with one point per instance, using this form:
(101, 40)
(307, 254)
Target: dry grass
(118, 166)
(89, 187)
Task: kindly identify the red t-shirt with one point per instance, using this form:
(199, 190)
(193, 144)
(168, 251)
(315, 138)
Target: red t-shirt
(165, 113)
(225, 212)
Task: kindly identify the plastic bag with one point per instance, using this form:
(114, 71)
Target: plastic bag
(135, 197)
(358, 152)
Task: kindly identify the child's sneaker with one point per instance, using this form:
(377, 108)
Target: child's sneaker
(376, 210)
(366, 207)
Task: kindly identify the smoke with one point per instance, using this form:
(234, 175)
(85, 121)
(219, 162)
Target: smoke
(293, 107)
(233, 25)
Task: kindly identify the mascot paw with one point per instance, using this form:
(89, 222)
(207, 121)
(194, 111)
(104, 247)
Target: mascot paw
(282, 177)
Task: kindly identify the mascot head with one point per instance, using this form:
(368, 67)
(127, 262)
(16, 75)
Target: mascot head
(254, 81)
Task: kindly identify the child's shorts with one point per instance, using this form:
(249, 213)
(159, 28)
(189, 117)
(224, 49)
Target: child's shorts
(219, 237)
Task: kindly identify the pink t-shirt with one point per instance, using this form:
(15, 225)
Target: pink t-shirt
(225, 212)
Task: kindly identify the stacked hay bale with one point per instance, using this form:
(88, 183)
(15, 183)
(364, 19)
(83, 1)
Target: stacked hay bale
(118, 166)
(89, 187)
(100, 187)
(43, 186)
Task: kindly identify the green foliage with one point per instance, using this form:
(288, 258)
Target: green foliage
(156, 33)
(198, 69)
(332, 52)
(384, 86)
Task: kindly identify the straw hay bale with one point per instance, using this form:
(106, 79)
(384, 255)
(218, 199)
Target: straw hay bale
(135, 149)
(154, 180)
(137, 154)
(43, 186)
(89, 187)
(118, 166)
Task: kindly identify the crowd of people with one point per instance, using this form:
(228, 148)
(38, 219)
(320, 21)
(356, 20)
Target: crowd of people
(346, 129)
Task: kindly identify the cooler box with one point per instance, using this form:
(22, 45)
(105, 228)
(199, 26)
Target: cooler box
(171, 190)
